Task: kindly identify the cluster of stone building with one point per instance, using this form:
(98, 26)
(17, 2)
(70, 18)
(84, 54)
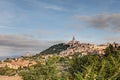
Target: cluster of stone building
(17, 63)
(84, 48)
(22, 63)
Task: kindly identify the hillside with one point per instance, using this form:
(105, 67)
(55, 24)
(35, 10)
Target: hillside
(73, 67)
(55, 49)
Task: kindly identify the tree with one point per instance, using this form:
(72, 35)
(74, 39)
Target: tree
(95, 67)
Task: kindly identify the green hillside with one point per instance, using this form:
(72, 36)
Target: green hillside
(89, 67)
(55, 49)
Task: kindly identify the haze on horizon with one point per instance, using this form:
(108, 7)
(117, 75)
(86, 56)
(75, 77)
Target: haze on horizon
(34, 25)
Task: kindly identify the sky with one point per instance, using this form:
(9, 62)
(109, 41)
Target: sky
(34, 25)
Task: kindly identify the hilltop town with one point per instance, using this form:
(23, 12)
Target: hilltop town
(85, 48)
(62, 60)
(72, 48)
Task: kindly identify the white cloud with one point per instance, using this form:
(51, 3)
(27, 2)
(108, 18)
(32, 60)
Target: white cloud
(6, 27)
(44, 5)
(112, 39)
(54, 7)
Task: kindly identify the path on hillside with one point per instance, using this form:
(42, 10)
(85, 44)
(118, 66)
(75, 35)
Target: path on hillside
(10, 78)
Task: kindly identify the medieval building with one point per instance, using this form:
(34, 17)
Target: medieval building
(83, 48)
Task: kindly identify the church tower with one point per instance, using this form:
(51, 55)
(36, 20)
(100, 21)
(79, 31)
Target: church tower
(73, 38)
(73, 41)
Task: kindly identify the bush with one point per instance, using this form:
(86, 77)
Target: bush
(96, 67)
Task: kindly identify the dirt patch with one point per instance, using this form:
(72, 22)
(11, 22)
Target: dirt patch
(10, 78)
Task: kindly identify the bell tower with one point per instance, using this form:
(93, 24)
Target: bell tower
(73, 38)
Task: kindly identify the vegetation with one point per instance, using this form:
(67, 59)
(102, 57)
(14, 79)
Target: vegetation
(49, 71)
(7, 60)
(95, 67)
(89, 67)
(7, 71)
(55, 49)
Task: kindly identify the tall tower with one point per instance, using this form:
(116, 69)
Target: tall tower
(73, 38)
(72, 42)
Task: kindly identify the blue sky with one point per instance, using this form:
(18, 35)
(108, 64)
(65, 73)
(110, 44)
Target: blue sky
(34, 25)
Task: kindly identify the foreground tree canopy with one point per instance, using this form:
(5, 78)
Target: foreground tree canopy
(95, 67)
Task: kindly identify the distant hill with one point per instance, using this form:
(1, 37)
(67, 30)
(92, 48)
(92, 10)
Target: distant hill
(5, 57)
(55, 49)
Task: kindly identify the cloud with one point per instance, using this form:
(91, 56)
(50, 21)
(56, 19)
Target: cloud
(36, 4)
(19, 44)
(102, 21)
(54, 7)
(6, 27)
(12, 13)
(112, 39)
